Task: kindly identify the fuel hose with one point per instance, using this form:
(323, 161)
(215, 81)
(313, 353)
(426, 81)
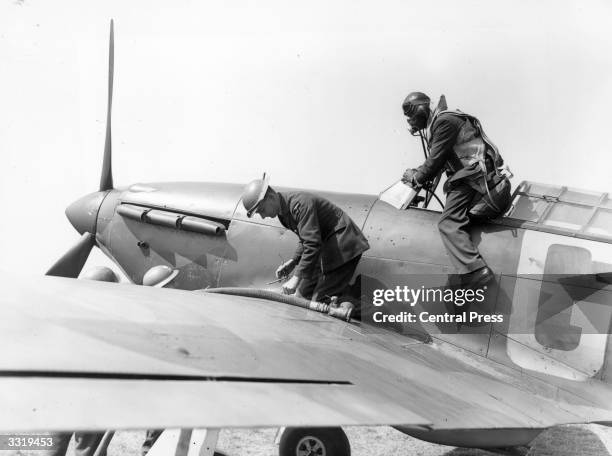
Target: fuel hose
(341, 312)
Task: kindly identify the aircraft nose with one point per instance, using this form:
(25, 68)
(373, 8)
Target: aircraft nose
(83, 213)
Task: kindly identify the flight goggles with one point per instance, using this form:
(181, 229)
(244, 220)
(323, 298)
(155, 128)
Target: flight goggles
(410, 108)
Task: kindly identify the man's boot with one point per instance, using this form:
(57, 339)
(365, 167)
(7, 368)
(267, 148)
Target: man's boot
(478, 278)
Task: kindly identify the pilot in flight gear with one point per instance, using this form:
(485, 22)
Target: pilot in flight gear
(160, 276)
(86, 443)
(477, 185)
(330, 243)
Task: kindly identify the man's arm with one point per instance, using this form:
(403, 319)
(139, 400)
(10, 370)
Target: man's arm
(298, 252)
(288, 266)
(444, 136)
(309, 231)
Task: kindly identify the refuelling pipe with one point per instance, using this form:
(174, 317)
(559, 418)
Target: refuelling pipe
(342, 310)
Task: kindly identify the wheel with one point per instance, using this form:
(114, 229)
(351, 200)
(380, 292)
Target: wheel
(331, 441)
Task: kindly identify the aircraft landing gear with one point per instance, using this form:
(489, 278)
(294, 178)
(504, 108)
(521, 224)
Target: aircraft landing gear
(328, 441)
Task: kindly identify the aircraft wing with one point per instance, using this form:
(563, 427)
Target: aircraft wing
(83, 355)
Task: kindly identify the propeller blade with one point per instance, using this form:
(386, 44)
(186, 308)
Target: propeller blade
(71, 263)
(106, 179)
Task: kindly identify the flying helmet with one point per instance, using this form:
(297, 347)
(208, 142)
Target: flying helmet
(100, 274)
(159, 276)
(254, 193)
(412, 101)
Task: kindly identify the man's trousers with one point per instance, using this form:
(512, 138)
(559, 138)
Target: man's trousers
(453, 226)
(322, 286)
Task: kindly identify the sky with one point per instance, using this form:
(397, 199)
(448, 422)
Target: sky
(310, 92)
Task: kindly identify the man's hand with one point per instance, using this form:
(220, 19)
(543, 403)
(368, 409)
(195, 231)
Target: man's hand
(291, 285)
(408, 178)
(285, 269)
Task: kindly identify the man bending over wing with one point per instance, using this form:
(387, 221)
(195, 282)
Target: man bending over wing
(330, 245)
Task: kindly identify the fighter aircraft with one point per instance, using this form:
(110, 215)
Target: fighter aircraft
(81, 355)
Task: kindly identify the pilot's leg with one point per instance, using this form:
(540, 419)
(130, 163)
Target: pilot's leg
(453, 226)
(335, 282)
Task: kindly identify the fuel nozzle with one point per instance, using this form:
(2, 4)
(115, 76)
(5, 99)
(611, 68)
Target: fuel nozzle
(342, 310)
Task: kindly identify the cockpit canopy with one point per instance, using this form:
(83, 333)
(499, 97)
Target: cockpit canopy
(552, 207)
(574, 210)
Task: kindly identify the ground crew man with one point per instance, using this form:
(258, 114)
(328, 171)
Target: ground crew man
(330, 243)
(477, 185)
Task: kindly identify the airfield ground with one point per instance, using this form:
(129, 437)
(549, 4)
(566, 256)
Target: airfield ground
(365, 441)
(572, 440)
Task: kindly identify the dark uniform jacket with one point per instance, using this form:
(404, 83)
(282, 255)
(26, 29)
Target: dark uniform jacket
(328, 236)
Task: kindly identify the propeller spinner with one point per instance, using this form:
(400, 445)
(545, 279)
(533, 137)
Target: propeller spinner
(83, 213)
